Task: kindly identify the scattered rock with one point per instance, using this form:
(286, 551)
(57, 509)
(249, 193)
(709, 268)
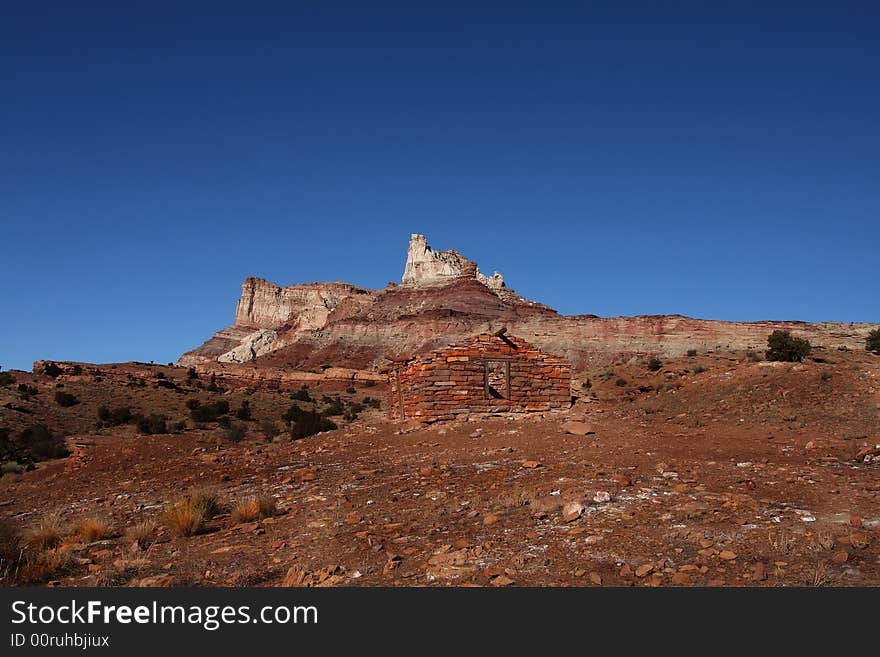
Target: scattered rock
(577, 428)
(572, 511)
(644, 570)
(759, 572)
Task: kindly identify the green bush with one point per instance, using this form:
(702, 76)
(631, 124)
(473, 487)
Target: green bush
(372, 402)
(691, 352)
(6, 379)
(620, 383)
(350, 390)
(65, 399)
(872, 342)
(783, 346)
(654, 364)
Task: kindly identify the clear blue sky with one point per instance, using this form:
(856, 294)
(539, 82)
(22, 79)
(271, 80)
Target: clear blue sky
(720, 164)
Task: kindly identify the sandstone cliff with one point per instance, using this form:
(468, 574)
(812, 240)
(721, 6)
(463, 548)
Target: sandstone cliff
(444, 298)
(424, 266)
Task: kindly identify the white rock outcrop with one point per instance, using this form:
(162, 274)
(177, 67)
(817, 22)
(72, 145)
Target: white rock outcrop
(424, 266)
(253, 345)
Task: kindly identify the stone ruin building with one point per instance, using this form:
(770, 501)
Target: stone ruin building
(493, 373)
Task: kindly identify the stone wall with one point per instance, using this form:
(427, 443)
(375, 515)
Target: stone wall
(451, 382)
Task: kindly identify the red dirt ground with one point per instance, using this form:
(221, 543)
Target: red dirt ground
(744, 474)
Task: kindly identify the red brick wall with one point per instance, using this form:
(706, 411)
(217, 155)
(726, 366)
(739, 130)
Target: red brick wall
(450, 382)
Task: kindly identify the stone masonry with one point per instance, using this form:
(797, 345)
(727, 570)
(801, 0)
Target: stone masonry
(490, 374)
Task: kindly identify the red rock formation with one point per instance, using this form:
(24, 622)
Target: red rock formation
(444, 299)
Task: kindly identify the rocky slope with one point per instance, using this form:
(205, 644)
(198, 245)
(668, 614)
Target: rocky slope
(444, 297)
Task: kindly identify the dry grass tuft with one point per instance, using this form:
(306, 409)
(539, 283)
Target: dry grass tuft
(184, 518)
(255, 508)
(47, 534)
(93, 529)
(40, 566)
(140, 533)
(188, 516)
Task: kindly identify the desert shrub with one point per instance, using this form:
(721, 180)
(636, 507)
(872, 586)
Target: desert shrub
(43, 443)
(269, 428)
(654, 364)
(6, 379)
(37, 566)
(254, 508)
(154, 423)
(177, 427)
(165, 383)
(872, 342)
(160, 375)
(369, 383)
(350, 390)
(753, 356)
(183, 518)
(783, 346)
(187, 516)
(93, 529)
(302, 394)
(353, 410)
(292, 414)
(372, 402)
(191, 374)
(699, 369)
(620, 383)
(27, 390)
(691, 352)
(44, 535)
(244, 411)
(826, 376)
(209, 412)
(310, 423)
(587, 384)
(233, 432)
(207, 500)
(65, 399)
(335, 407)
(193, 403)
(140, 533)
(115, 417)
